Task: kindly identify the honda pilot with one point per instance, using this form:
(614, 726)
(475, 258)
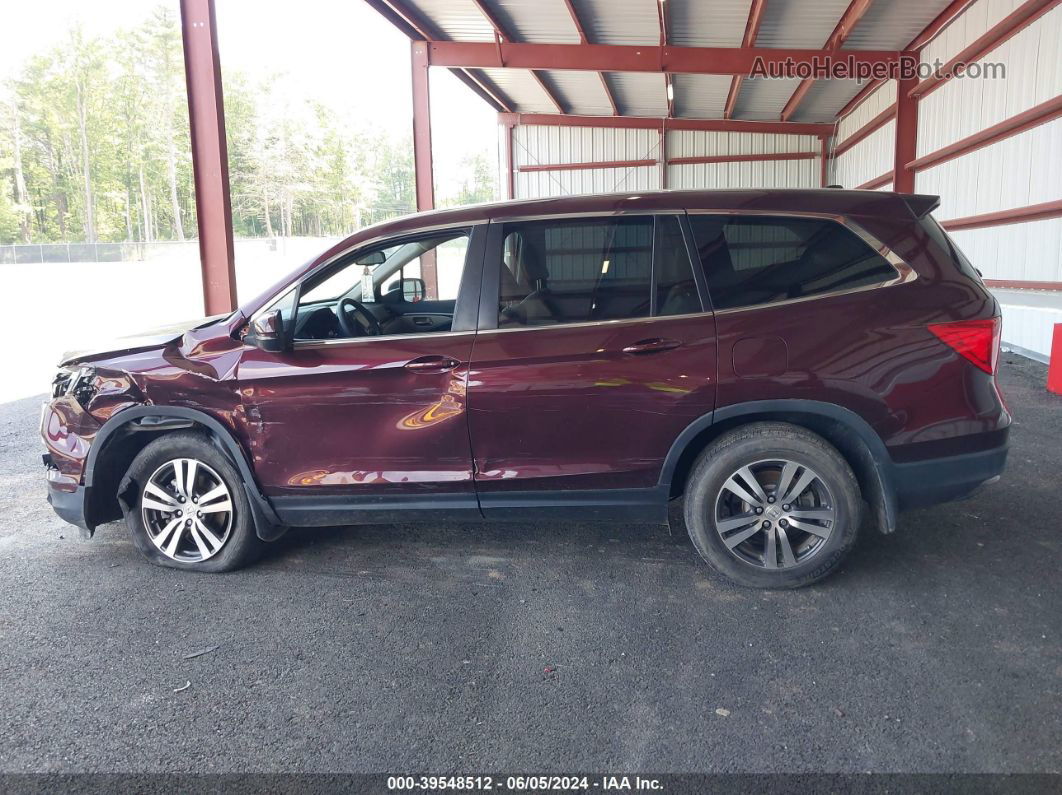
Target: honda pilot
(793, 365)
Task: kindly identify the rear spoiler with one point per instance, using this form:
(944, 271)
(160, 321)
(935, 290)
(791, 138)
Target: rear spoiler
(920, 204)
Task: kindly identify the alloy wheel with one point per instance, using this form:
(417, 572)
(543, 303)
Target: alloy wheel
(187, 510)
(775, 514)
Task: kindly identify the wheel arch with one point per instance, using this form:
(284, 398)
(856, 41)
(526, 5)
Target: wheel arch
(853, 437)
(129, 431)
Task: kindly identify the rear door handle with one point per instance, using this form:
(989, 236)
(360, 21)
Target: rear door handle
(432, 364)
(652, 345)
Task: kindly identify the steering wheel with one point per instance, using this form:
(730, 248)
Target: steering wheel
(348, 310)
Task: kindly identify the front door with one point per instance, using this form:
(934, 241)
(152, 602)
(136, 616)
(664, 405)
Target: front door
(594, 353)
(365, 415)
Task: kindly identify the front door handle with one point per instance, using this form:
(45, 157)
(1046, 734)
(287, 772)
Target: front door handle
(432, 364)
(652, 345)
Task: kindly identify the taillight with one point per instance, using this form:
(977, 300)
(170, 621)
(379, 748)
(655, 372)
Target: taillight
(976, 340)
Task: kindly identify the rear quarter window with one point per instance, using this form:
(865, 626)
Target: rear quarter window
(757, 259)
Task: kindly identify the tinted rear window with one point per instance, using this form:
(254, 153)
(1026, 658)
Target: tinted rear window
(757, 259)
(952, 251)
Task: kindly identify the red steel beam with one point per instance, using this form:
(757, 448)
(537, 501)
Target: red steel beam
(1021, 284)
(845, 25)
(648, 123)
(1033, 117)
(422, 163)
(953, 11)
(1017, 215)
(906, 147)
(1012, 24)
(632, 58)
(210, 158)
(870, 127)
(752, 29)
(877, 182)
(669, 86)
(749, 158)
(589, 164)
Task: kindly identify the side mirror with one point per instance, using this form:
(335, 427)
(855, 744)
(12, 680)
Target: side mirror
(267, 332)
(412, 290)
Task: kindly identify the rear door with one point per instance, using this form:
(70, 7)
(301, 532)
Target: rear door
(594, 352)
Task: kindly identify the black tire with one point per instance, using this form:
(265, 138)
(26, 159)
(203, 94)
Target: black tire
(764, 445)
(240, 545)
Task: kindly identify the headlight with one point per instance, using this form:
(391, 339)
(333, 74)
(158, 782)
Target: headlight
(79, 384)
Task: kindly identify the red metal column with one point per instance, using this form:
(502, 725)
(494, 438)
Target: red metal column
(824, 165)
(422, 128)
(424, 171)
(210, 158)
(906, 144)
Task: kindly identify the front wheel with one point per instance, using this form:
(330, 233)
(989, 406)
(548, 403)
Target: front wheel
(772, 505)
(190, 509)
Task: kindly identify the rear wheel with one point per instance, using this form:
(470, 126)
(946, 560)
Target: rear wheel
(772, 505)
(191, 511)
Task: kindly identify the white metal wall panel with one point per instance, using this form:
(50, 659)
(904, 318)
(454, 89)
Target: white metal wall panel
(972, 24)
(759, 174)
(868, 159)
(538, 184)
(1015, 172)
(1026, 252)
(962, 107)
(535, 145)
(866, 110)
(697, 143)
(1030, 328)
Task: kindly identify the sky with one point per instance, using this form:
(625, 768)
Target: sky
(344, 53)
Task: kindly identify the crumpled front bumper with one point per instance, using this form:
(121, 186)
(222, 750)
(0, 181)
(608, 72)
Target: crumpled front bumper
(70, 506)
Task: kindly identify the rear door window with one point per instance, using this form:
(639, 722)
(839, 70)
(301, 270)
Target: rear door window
(755, 260)
(594, 269)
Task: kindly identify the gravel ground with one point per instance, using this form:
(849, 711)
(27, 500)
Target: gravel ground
(536, 649)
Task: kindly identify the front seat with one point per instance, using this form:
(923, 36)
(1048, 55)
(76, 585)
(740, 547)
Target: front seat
(532, 306)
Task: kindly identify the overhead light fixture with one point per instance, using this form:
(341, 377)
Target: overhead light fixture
(604, 266)
(670, 86)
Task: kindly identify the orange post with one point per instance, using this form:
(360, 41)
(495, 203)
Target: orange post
(1054, 367)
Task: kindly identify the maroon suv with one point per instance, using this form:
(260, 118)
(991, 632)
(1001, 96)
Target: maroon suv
(791, 362)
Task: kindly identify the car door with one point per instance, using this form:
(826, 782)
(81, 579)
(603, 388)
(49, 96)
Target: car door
(594, 353)
(355, 429)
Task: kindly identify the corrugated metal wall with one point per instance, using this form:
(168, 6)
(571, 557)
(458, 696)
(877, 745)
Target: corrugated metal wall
(1016, 172)
(871, 157)
(542, 145)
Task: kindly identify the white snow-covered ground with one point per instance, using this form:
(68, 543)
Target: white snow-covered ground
(51, 308)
